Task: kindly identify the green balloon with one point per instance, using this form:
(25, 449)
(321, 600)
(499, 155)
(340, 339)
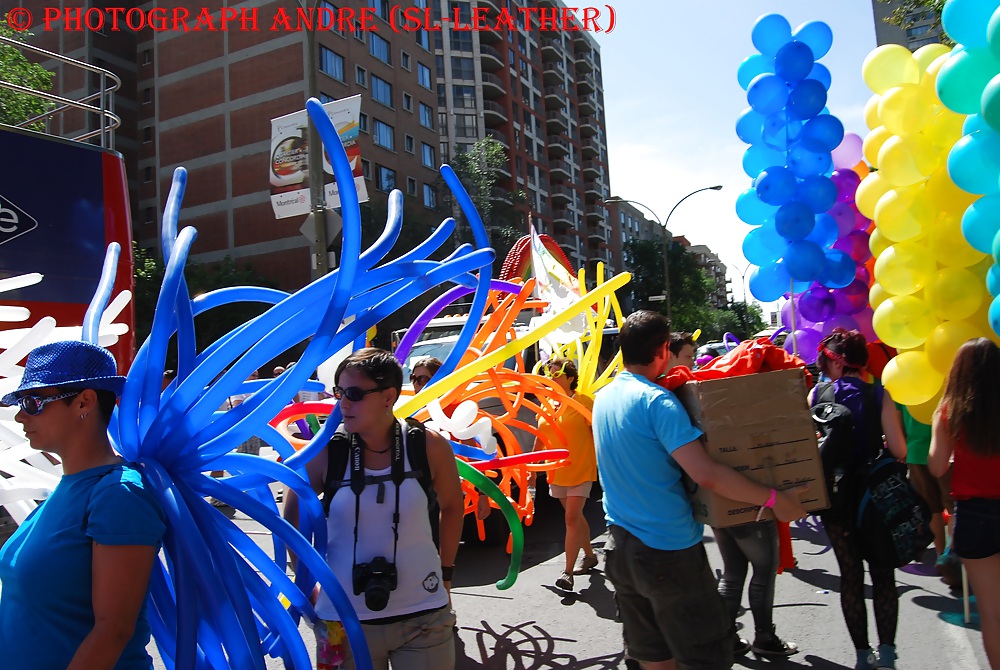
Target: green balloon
(486, 485)
(961, 81)
(993, 33)
(991, 103)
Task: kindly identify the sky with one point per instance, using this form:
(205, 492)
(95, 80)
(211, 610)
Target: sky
(672, 100)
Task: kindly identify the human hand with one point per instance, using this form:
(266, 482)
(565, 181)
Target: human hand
(787, 506)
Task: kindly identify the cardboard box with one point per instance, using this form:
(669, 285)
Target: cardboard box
(760, 425)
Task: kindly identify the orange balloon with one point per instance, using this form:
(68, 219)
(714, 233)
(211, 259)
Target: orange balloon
(861, 169)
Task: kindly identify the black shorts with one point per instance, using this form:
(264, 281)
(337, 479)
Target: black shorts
(669, 604)
(977, 528)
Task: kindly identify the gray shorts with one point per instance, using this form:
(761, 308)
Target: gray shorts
(425, 641)
(669, 604)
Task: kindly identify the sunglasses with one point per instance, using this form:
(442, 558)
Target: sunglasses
(33, 405)
(419, 379)
(553, 374)
(354, 393)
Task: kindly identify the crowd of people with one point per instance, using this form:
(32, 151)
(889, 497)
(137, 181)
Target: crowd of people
(76, 573)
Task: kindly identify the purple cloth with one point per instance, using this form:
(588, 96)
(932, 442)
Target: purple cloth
(847, 392)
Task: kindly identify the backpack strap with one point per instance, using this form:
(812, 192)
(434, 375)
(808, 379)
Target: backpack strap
(338, 452)
(872, 409)
(825, 392)
(416, 451)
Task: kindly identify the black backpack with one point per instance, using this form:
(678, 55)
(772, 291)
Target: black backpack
(338, 451)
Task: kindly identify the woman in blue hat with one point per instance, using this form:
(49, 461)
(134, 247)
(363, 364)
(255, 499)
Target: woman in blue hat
(75, 574)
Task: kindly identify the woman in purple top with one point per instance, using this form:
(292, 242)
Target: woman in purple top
(842, 358)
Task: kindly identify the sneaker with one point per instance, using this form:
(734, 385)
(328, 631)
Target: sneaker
(766, 643)
(866, 660)
(740, 646)
(886, 657)
(565, 582)
(585, 564)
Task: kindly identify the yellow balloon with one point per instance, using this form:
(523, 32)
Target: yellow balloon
(902, 213)
(872, 144)
(943, 342)
(954, 293)
(905, 268)
(943, 194)
(911, 379)
(945, 241)
(903, 111)
(944, 130)
(904, 321)
(877, 295)
(889, 65)
(926, 55)
(878, 243)
(870, 191)
(904, 161)
(871, 112)
(924, 412)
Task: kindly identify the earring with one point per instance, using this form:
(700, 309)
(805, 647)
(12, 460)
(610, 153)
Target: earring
(82, 417)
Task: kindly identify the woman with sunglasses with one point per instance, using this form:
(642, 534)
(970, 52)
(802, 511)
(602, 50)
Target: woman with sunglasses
(424, 368)
(76, 573)
(571, 484)
(381, 541)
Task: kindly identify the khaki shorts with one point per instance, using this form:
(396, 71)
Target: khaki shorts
(425, 641)
(578, 491)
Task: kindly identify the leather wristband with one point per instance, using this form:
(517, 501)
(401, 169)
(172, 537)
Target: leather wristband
(447, 572)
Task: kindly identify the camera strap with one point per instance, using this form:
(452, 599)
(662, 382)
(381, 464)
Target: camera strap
(357, 465)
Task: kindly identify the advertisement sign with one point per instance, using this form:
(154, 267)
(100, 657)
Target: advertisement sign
(289, 162)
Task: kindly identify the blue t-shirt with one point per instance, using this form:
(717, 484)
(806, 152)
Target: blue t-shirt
(46, 609)
(637, 426)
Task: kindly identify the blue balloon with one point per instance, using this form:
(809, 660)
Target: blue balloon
(974, 122)
(994, 315)
(816, 35)
(751, 210)
(996, 247)
(839, 269)
(804, 163)
(818, 192)
(763, 245)
(974, 162)
(780, 132)
(825, 232)
(821, 74)
(965, 21)
(768, 93)
(752, 66)
(823, 133)
(775, 185)
(749, 126)
(807, 99)
(793, 62)
(770, 32)
(759, 157)
(794, 221)
(804, 261)
(992, 280)
(981, 222)
(769, 282)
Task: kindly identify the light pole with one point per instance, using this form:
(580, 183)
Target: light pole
(743, 278)
(317, 195)
(666, 236)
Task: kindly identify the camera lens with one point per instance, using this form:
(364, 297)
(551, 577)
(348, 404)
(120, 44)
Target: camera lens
(377, 593)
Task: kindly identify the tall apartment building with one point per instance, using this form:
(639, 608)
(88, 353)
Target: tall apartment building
(715, 270)
(920, 31)
(539, 93)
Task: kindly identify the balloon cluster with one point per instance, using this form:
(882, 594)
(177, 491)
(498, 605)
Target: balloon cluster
(808, 237)
(928, 292)
(969, 83)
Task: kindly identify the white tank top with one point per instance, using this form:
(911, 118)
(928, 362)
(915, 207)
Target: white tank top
(418, 564)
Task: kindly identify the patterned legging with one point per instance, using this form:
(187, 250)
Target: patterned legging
(852, 588)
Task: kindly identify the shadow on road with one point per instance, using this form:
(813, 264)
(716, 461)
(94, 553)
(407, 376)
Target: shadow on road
(526, 646)
(798, 661)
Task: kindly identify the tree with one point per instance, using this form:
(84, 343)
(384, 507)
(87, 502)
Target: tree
(16, 69)
(905, 11)
(749, 319)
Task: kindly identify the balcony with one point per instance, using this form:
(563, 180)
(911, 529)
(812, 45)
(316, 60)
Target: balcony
(588, 126)
(560, 169)
(494, 113)
(561, 195)
(592, 169)
(491, 58)
(504, 169)
(497, 135)
(561, 215)
(554, 74)
(591, 148)
(552, 49)
(493, 86)
(595, 214)
(555, 121)
(585, 61)
(567, 241)
(557, 146)
(594, 191)
(555, 97)
(595, 234)
(585, 83)
(491, 4)
(501, 194)
(587, 104)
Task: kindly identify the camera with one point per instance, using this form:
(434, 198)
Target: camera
(376, 579)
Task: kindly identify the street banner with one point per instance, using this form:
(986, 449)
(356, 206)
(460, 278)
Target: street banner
(289, 159)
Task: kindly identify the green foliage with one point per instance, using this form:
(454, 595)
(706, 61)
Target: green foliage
(16, 69)
(904, 10)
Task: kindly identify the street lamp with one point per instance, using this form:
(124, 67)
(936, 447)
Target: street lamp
(666, 236)
(743, 277)
(317, 195)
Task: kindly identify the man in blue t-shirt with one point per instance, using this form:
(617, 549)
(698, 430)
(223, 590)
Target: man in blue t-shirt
(670, 608)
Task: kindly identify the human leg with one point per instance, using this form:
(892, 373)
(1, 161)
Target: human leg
(852, 584)
(577, 532)
(886, 603)
(424, 642)
(343, 658)
(984, 575)
(977, 543)
(734, 574)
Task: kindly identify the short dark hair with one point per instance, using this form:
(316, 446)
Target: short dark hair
(678, 342)
(642, 334)
(844, 344)
(377, 364)
(568, 367)
(106, 401)
(430, 362)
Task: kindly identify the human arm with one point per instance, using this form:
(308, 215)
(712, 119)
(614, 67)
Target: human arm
(892, 427)
(120, 580)
(448, 488)
(942, 445)
(316, 473)
(722, 479)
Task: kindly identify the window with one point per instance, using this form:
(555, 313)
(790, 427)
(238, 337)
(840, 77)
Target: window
(331, 63)
(430, 197)
(363, 122)
(381, 90)
(424, 76)
(464, 96)
(408, 143)
(384, 135)
(150, 215)
(366, 168)
(147, 56)
(461, 40)
(147, 174)
(462, 68)
(465, 125)
(381, 7)
(443, 119)
(385, 178)
(404, 61)
(426, 116)
(464, 11)
(442, 95)
(411, 186)
(359, 34)
(408, 102)
(147, 134)
(445, 157)
(147, 95)
(379, 47)
(325, 98)
(427, 155)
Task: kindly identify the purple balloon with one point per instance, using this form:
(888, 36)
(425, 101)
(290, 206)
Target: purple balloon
(786, 315)
(864, 320)
(817, 304)
(855, 245)
(804, 342)
(861, 222)
(845, 321)
(844, 216)
(849, 152)
(863, 275)
(852, 298)
(846, 182)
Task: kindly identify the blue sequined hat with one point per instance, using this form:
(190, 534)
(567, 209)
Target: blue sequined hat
(72, 364)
